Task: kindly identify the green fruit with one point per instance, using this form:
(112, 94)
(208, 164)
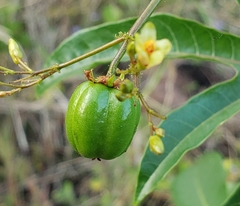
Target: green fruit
(97, 124)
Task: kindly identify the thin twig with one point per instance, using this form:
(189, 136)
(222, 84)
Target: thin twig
(99, 49)
(148, 109)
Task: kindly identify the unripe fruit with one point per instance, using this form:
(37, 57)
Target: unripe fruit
(97, 124)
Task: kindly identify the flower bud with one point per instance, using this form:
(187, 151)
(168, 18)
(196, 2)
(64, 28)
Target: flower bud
(110, 81)
(120, 96)
(156, 145)
(126, 86)
(159, 132)
(14, 51)
(131, 49)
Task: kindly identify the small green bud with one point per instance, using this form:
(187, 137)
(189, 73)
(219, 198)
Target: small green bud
(120, 96)
(131, 51)
(126, 86)
(156, 145)
(14, 51)
(110, 81)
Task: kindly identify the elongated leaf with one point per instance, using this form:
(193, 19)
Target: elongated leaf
(204, 183)
(189, 126)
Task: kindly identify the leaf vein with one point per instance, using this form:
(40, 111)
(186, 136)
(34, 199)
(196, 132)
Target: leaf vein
(172, 34)
(193, 38)
(213, 45)
(232, 47)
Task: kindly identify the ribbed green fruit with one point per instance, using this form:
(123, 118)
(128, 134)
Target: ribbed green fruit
(97, 124)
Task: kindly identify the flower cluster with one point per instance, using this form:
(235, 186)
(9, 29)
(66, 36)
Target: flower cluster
(145, 52)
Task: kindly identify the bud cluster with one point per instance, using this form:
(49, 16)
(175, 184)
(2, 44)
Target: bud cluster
(126, 90)
(155, 141)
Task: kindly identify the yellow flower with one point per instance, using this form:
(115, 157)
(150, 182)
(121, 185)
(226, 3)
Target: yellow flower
(150, 51)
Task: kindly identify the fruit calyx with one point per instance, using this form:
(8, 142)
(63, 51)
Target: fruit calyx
(126, 88)
(110, 81)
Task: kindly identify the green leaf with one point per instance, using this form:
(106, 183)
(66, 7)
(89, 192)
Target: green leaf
(78, 44)
(234, 198)
(238, 1)
(201, 184)
(189, 126)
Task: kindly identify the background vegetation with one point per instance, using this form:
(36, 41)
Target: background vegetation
(38, 167)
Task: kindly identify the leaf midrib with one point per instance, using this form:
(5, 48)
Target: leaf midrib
(174, 55)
